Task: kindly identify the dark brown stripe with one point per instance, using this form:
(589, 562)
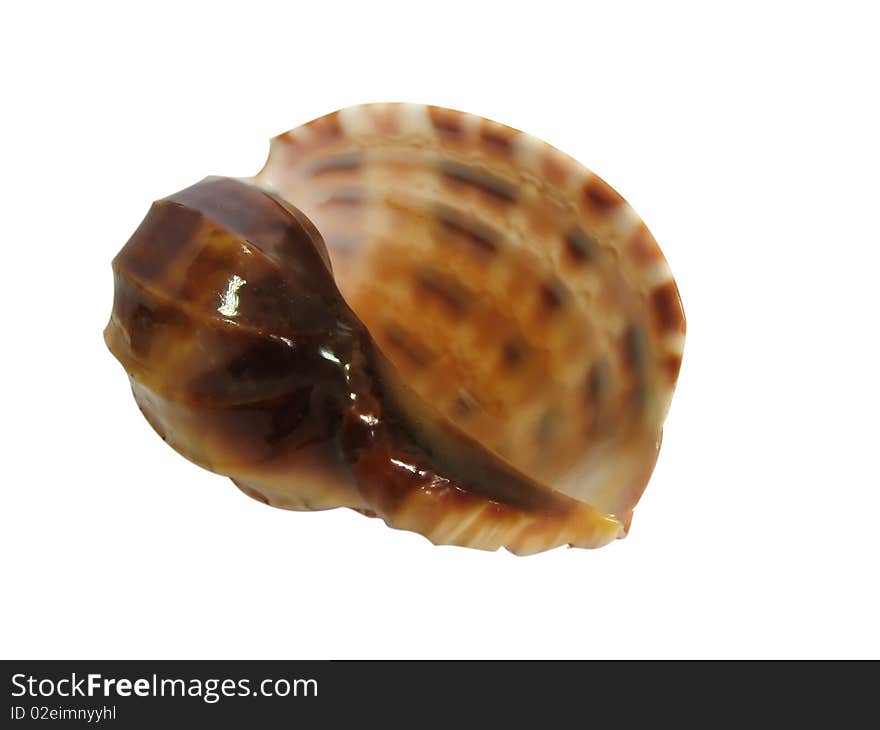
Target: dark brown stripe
(346, 196)
(243, 368)
(349, 161)
(326, 128)
(445, 121)
(667, 308)
(600, 196)
(671, 365)
(515, 352)
(581, 247)
(554, 294)
(499, 138)
(288, 139)
(635, 348)
(598, 380)
(417, 353)
(482, 181)
(482, 236)
(453, 296)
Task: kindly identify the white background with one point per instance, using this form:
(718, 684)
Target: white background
(746, 138)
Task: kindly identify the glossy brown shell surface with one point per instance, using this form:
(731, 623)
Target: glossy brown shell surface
(416, 313)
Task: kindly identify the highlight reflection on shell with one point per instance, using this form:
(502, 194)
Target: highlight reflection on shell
(416, 313)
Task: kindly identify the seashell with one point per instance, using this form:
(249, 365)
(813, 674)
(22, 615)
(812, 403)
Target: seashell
(416, 313)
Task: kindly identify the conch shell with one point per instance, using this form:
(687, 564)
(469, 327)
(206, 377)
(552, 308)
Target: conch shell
(457, 329)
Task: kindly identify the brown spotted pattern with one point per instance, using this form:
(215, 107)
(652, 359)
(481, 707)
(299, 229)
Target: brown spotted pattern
(546, 292)
(527, 313)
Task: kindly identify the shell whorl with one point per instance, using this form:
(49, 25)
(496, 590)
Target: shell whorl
(460, 329)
